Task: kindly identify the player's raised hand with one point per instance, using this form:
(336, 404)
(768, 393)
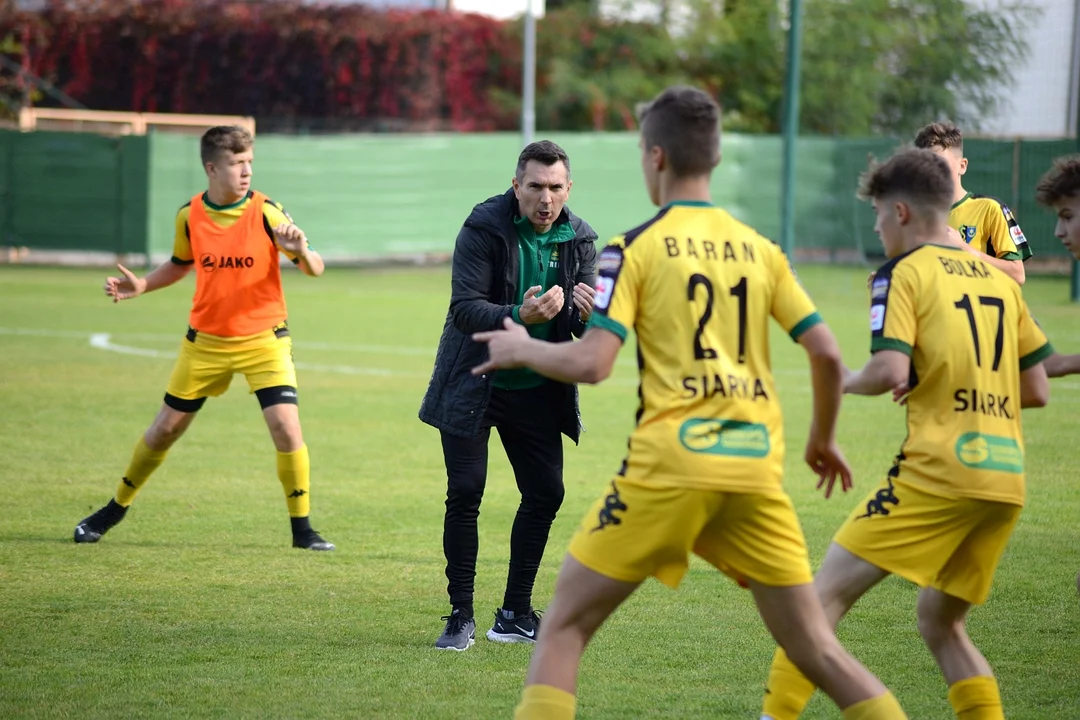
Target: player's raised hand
(828, 463)
(504, 347)
(541, 309)
(584, 300)
(126, 287)
(290, 238)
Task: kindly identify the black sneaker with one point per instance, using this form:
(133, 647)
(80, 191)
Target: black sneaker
(311, 540)
(90, 529)
(512, 628)
(459, 634)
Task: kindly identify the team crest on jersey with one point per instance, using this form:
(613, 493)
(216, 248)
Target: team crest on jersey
(879, 289)
(554, 261)
(967, 232)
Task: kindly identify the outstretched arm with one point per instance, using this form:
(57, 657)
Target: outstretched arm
(1058, 365)
(588, 361)
(128, 286)
(886, 370)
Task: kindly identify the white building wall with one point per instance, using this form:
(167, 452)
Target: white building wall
(1039, 99)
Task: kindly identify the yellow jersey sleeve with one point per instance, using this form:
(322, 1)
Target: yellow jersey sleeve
(618, 288)
(1033, 344)
(273, 215)
(893, 311)
(791, 306)
(181, 254)
(999, 241)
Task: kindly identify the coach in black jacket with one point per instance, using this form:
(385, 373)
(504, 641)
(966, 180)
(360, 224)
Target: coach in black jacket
(521, 255)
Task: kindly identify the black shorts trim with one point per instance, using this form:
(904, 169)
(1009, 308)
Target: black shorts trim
(282, 330)
(277, 395)
(192, 333)
(182, 405)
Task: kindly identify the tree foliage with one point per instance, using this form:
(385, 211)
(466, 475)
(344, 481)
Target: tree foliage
(869, 66)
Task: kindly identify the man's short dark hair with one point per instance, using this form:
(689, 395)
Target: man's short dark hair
(224, 137)
(685, 123)
(942, 135)
(544, 152)
(921, 177)
(1061, 181)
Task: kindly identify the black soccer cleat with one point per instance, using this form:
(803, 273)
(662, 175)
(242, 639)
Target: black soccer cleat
(459, 633)
(512, 628)
(90, 529)
(311, 540)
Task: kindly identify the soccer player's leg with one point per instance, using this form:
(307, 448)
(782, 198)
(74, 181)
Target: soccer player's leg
(271, 375)
(583, 600)
(964, 581)
(757, 540)
(841, 580)
(633, 531)
(196, 375)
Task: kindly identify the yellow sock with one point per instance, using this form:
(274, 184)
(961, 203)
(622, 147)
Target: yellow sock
(544, 702)
(976, 698)
(144, 461)
(883, 707)
(787, 691)
(294, 472)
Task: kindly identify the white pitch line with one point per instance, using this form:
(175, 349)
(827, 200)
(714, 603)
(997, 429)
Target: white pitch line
(103, 341)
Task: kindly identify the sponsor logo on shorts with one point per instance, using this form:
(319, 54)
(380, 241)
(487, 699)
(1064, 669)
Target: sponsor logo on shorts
(612, 504)
(734, 438)
(877, 504)
(990, 452)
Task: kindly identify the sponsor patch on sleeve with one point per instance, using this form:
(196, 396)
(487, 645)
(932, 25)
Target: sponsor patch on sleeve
(604, 286)
(877, 317)
(609, 262)
(879, 289)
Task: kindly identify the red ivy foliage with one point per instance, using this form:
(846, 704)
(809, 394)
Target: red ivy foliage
(273, 59)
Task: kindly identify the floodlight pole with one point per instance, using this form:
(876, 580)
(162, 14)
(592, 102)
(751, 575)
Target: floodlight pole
(790, 127)
(528, 80)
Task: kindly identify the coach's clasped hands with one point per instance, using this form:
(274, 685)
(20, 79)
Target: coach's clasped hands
(535, 310)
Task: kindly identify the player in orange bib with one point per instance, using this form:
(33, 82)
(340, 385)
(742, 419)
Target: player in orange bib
(231, 235)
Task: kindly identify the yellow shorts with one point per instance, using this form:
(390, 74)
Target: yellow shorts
(951, 544)
(207, 363)
(638, 529)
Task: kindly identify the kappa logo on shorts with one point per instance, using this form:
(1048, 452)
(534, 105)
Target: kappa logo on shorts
(876, 506)
(612, 504)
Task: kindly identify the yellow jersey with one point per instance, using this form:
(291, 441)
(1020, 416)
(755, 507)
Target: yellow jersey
(969, 335)
(225, 216)
(988, 224)
(699, 287)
